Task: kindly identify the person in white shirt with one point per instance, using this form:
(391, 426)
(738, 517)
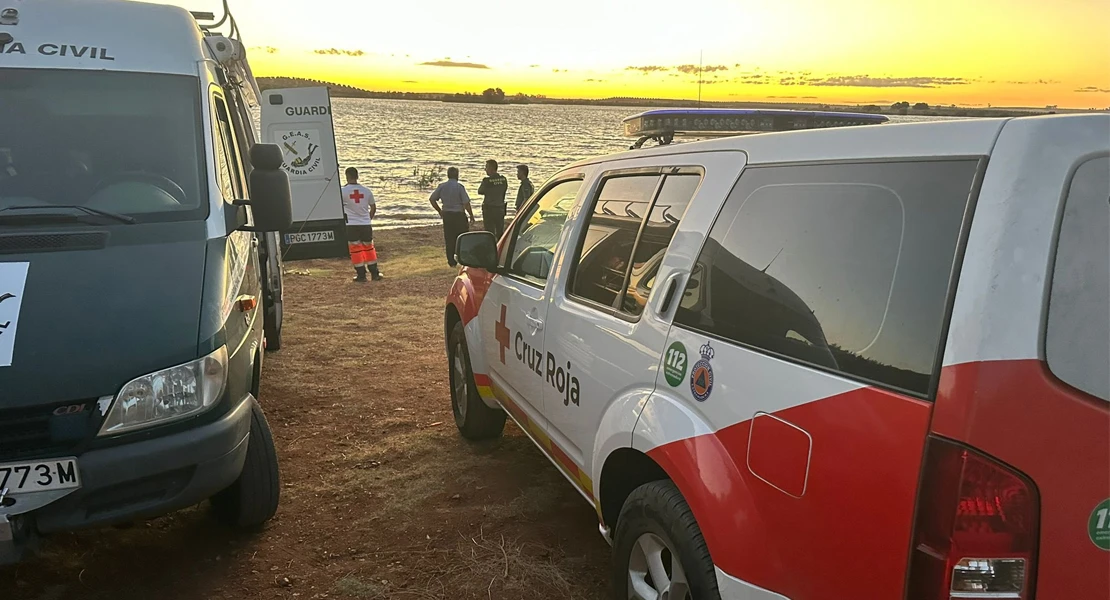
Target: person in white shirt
(359, 209)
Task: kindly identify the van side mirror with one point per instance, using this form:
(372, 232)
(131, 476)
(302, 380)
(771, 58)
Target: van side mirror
(271, 199)
(477, 249)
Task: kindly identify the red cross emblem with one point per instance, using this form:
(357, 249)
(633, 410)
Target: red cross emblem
(356, 196)
(501, 332)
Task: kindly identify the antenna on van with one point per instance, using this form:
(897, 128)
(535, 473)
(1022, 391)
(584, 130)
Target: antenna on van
(701, 62)
(764, 270)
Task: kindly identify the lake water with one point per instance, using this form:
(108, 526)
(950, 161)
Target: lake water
(393, 142)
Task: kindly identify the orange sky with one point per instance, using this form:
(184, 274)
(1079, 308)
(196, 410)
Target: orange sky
(967, 52)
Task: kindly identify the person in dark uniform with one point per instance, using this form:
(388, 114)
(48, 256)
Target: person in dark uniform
(493, 190)
(454, 212)
(526, 189)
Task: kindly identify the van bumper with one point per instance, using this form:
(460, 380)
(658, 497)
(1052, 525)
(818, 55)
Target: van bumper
(153, 477)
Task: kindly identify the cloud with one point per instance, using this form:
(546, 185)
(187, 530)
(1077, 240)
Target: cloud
(712, 68)
(409, 81)
(558, 70)
(266, 49)
(533, 66)
(591, 80)
(687, 69)
(1090, 89)
(647, 69)
(793, 97)
(453, 64)
(1037, 82)
(867, 81)
(339, 52)
(754, 79)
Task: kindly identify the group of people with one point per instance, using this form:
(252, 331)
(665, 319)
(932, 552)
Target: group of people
(450, 200)
(452, 203)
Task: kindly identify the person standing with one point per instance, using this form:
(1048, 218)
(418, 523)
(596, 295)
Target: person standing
(359, 209)
(454, 212)
(526, 189)
(493, 190)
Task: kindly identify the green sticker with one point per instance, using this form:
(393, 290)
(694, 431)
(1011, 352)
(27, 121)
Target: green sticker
(1098, 527)
(674, 364)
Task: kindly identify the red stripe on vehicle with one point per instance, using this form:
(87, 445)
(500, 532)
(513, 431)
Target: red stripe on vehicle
(1059, 437)
(852, 526)
(468, 291)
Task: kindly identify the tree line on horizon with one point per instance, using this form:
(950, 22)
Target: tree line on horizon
(496, 95)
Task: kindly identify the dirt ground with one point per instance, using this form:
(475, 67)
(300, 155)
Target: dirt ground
(381, 498)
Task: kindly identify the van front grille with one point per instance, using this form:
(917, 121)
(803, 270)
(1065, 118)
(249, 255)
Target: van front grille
(52, 242)
(36, 431)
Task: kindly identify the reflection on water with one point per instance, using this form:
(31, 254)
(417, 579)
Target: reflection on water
(394, 141)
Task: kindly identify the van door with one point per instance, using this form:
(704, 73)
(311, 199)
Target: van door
(811, 329)
(607, 332)
(299, 121)
(514, 311)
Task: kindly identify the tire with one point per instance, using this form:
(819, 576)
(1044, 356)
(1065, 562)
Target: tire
(253, 498)
(656, 517)
(475, 420)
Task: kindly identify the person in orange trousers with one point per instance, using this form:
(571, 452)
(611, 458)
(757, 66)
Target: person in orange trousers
(359, 209)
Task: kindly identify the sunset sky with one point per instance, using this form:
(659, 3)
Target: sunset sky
(967, 52)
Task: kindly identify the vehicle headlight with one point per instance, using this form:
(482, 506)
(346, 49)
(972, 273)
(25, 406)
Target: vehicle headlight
(168, 395)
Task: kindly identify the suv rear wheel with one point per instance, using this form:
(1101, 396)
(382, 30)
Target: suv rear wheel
(658, 549)
(475, 420)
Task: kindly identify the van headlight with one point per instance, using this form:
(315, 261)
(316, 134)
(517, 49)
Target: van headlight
(168, 395)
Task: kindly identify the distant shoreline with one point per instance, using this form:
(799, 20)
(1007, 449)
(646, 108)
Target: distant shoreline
(920, 109)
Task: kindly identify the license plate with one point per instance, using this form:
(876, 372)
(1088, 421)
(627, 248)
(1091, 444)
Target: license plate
(309, 237)
(39, 476)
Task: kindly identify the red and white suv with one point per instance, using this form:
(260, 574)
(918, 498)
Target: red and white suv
(852, 363)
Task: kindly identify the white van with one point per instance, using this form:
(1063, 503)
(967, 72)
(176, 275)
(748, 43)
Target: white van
(865, 362)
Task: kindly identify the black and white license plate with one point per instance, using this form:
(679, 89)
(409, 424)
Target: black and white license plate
(309, 237)
(39, 475)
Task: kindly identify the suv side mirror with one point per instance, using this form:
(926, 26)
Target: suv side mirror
(271, 199)
(477, 249)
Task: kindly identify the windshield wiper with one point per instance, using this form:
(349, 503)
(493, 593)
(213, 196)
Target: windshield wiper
(85, 209)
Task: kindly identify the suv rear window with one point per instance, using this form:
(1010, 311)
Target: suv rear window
(843, 267)
(1077, 340)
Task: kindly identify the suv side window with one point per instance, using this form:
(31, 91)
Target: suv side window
(537, 230)
(844, 267)
(629, 229)
(1077, 340)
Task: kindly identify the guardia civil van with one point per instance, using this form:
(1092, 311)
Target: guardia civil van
(850, 363)
(137, 269)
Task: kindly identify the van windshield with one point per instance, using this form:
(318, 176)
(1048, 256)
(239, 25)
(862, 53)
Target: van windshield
(126, 143)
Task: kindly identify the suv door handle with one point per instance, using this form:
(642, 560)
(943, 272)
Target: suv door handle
(536, 324)
(669, 289)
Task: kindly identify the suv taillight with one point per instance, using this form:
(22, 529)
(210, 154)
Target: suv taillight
(975, 535)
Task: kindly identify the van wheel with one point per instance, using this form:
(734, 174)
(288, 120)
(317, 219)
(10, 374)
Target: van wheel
(658, 550)
(475, 420)
(253, 498)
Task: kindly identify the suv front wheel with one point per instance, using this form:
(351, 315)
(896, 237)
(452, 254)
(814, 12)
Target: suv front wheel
(475, 420)
(658, 549)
